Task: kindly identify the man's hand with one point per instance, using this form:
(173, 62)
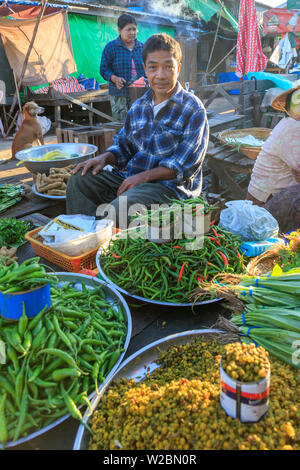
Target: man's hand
(118, 81)
(296, 174)
(97, 163)
(131, 182)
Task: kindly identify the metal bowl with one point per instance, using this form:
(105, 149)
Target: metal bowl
(144, 299)
(136, 367)
(116, 299)
(84, 151)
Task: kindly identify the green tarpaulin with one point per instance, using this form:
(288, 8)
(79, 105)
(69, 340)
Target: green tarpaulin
(90, 34)
(293, 4)
(205, 9)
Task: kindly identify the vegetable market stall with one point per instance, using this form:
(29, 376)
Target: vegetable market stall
(149, 324)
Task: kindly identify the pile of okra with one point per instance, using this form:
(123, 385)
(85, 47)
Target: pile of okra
(57, 359)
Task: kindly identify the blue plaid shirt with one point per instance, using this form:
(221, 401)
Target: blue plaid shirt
(177, 139)
(117, 60)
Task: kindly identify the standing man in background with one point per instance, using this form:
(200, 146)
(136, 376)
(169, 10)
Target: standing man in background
(121, 62)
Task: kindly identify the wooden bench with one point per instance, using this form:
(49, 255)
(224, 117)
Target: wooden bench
(226, 164)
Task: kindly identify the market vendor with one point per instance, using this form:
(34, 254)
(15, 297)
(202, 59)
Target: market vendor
(159, 152)
(121, 62)
(275, 178)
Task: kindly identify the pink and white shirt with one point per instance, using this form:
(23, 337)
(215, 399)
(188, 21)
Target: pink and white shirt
(280, 155)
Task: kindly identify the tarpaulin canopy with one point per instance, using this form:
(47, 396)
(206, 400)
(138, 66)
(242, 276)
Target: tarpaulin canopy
(281, 20)
(51, 56)
(27, 10)
(295, 4)
(205, 9)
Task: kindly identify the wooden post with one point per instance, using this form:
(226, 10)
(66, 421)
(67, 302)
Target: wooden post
(26, 59)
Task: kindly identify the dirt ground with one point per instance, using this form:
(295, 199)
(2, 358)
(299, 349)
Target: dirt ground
(5, 146)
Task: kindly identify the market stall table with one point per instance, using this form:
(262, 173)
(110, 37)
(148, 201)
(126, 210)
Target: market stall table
(150, 323)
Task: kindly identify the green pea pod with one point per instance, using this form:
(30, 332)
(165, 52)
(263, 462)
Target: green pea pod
(3, 427)
(23, 320)
(61, 374)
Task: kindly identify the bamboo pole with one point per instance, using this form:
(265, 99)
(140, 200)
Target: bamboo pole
(43, 6)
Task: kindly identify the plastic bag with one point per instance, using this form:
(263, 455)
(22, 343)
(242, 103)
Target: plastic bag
(85, 242)
(248, 221)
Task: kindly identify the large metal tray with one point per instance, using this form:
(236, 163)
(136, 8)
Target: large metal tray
(32, 154)
(136, 367)
(143, 299)
(115, 298)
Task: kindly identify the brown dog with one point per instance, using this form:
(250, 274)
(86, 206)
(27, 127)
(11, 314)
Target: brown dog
(30, 130)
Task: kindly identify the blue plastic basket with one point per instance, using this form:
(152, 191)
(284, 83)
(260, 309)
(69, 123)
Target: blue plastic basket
(230, 77)
(11, 305)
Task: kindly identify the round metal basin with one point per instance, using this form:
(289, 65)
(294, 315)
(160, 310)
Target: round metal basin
(113, 297)
(136, 367)
(31, 156)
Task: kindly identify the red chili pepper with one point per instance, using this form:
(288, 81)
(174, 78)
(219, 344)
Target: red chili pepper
(200, 279)
(238, 255)
(215, 240)
(178, 247)
(224, 258)
(215, 233)
(212, 223)
(172, 267)
(116, 256)
(181, 272)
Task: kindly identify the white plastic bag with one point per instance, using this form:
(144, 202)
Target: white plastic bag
(85, 242)
(250, 222)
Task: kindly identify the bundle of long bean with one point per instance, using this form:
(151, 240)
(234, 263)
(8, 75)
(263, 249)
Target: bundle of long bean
(57, 359)
(170, 272)
(9, 195)
(272, 313)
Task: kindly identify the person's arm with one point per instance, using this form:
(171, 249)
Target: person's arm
(106, 67)
(159, 173)
(106, 62)
(122, 149)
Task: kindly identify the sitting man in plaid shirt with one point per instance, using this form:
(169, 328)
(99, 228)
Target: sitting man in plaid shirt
(158, 154)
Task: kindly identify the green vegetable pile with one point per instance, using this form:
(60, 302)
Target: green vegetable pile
(57, 359)
(271, 313)
(28, 275)
(9, 196)
(170, 272)
(12, 231)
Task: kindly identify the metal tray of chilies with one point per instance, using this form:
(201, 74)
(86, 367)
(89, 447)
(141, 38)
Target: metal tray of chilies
(136, 367)
(144, 299)
(116, 299)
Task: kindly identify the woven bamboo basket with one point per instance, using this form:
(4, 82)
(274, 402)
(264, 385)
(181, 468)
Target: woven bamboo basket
(261, 133)
(264, 263)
